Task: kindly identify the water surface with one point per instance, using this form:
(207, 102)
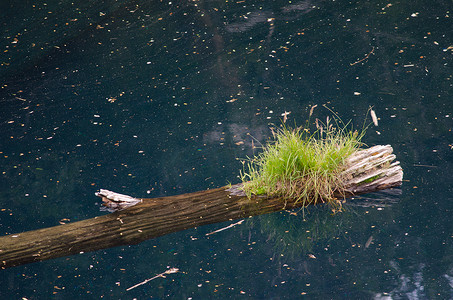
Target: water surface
(155, 98)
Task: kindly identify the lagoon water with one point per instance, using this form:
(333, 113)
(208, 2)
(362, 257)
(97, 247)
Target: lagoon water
(158, 98)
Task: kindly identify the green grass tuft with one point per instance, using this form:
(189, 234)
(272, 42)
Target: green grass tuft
(302, 165)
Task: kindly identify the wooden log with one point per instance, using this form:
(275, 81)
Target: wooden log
(137, 220)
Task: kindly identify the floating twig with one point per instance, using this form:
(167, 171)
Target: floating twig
(224, 228)
(366, 57)
(169, 271)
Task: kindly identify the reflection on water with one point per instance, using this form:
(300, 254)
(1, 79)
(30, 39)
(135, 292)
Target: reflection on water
(161, 98)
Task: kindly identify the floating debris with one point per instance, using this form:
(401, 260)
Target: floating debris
(169, 271)
(224, 228)
(374, 117)
(368, 242)
(285, 116)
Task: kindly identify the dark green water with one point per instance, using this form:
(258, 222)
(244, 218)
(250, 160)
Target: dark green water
(153, 98)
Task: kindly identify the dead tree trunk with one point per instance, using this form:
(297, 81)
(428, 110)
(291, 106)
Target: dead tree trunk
(142, 219)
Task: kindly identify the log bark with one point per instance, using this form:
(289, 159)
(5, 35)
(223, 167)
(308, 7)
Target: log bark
(136, 220)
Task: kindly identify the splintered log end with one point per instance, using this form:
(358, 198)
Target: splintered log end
(372, 169)
(115, 201)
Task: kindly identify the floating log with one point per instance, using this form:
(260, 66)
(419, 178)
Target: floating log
(136, 220)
